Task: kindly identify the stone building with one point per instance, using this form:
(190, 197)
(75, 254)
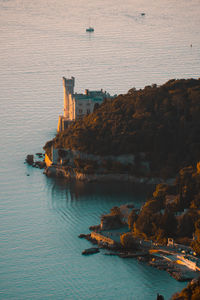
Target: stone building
(78, 105)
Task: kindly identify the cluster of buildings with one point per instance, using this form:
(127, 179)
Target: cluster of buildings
(78, 105)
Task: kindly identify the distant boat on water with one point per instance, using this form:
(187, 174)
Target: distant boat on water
(90, 29)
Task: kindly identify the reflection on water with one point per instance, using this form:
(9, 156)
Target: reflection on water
(82, 189)
(41, 217)
(95, 193)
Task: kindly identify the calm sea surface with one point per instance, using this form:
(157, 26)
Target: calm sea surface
(40, 42)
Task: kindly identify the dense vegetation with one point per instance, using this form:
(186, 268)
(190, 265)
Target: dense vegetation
(172, 211)
(191, 292)
(162, 123)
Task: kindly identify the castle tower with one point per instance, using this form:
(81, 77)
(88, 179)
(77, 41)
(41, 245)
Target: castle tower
(68, 85)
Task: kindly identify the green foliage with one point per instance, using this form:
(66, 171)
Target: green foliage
(132, 219)
(115, 211)
(196, 246)
(151, 206)
(85, 166)
(185, 225)
(161, 191)
(168, 223)
(197, 230)
(158, 218)
(160, 236)
(127, 240)
(191, 292)
(146, 224)
(198, 167)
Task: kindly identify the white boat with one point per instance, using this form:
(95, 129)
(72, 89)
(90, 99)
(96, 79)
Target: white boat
(90, 29)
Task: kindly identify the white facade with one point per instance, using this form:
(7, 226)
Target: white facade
(78, 105)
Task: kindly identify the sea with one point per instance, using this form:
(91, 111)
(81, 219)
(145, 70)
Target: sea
(40, 218)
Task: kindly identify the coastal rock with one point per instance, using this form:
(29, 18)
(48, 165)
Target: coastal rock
(39, 154)
(90, 251)
(30, 159)
(71, 173)
(111, 254)
(95, 228)
(192, 291)
(111, 222)
(82, 235)
(55, 171)
(39, 164)
(159, 297)
(88, 238)
(143, 258)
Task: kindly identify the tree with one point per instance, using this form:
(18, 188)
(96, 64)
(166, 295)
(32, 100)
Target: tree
(127, 240)
(185, 226)
(145, 224)
(115, 211)
(169, 224)
(151, 206)
(132, 219)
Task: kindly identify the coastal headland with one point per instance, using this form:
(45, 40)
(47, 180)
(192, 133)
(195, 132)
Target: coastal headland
(148, 136)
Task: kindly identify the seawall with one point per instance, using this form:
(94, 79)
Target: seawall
(71, 173)
(101, 238)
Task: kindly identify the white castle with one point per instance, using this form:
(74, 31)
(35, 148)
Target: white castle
(78, 105)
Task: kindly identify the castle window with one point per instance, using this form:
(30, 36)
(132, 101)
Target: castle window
(80, 111)
(88, 111)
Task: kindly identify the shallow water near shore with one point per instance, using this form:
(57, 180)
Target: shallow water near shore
(41, 218)
(42, 252)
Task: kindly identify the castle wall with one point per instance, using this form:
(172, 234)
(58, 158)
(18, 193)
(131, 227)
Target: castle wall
(63, 123)
(84, 107)
(68, 86)
(55, 156)
(59, 127)
(77, 105)
(71, 108)
(101, 238)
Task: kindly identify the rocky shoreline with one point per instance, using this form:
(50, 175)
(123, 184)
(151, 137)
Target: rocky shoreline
(178, 272)
(70, 173)
(112, 235)
(30, 160)
(73, 174)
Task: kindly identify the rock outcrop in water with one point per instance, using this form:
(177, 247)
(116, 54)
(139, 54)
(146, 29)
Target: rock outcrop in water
(90, 251)
(38, 163)
(30, 159)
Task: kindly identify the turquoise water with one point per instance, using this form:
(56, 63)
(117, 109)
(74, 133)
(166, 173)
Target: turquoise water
(40, 42)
